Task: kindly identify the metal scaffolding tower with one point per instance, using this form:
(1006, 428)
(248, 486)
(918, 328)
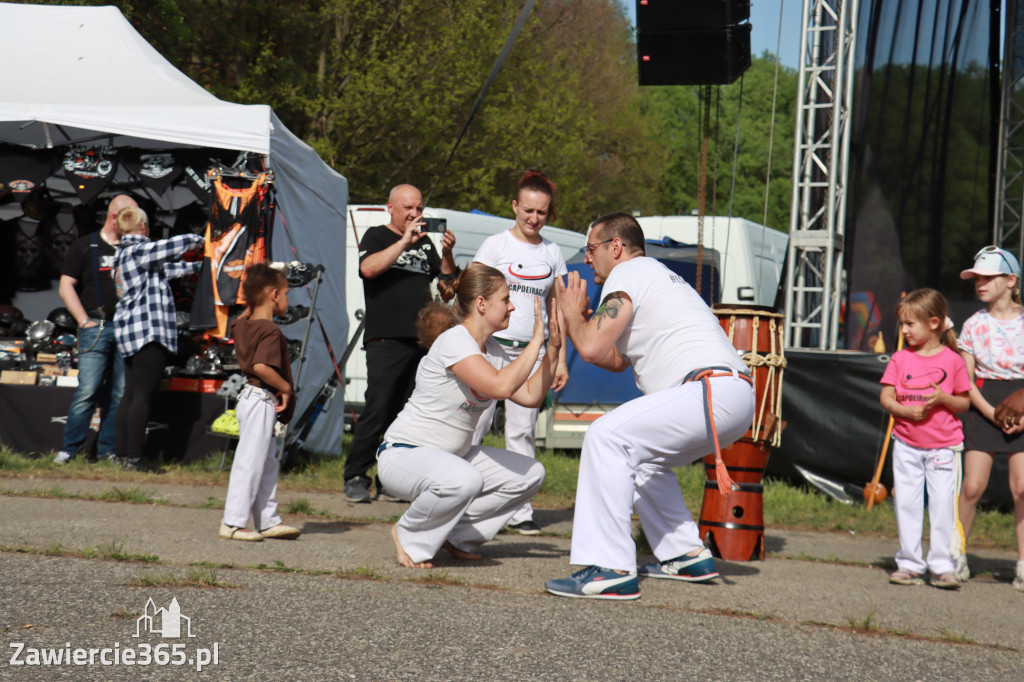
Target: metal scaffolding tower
(1008, 230)
(820, 169)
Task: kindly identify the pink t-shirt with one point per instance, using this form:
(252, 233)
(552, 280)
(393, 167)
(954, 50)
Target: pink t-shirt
(912, 375)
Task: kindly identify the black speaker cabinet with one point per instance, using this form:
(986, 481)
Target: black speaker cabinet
(705, 57)
(681, 15)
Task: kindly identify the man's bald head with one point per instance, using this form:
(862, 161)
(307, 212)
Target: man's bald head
(117, 204)
(405, 204)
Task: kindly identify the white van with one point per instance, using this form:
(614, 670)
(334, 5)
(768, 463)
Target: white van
(753, 255)
(470, 230)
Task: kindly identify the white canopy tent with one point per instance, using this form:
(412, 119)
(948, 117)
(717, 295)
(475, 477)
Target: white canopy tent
(84, 75)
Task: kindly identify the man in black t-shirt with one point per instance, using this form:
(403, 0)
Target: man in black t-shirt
(87, 289)
(397, 262)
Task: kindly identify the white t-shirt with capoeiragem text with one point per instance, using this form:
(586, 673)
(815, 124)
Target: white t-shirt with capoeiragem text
(443, 411)
(530, 271)
(673, 331)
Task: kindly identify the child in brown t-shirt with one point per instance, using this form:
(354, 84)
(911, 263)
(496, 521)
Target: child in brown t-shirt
(269, 396)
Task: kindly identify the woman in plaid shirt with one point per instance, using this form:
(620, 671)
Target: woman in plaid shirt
(144, 321)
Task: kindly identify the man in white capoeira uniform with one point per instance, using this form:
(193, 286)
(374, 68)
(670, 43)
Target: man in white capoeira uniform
(696, 390)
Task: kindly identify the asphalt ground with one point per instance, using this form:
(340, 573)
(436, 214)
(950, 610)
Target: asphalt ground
(334, 604)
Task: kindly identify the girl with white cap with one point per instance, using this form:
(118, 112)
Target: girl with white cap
(992, 345)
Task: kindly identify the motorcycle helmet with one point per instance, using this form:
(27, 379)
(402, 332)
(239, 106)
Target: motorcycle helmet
(63, 319)
(39, 334)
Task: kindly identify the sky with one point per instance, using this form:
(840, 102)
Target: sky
(764, 22)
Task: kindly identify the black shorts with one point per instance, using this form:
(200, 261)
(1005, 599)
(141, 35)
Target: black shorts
(980, 433)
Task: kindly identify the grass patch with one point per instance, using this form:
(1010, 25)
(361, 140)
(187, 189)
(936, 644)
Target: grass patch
(279, 567)
(298, 506)
(133, 495)
(114, 551)
(785, 505)
(955, 637)
(739, 613)
(865, 624)
(121, 614)
(210, 564)
(362, 573)
(198, 576)
(436, 577)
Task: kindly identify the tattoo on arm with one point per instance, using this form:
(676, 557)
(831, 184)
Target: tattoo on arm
(610, 307)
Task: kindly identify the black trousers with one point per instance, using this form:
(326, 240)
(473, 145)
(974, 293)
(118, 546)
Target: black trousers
(390, 377)
(142, 374)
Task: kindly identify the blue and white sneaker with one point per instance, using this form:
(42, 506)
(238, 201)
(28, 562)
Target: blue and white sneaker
(694, 569)
(595, 582)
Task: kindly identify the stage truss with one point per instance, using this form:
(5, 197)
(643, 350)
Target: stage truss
(814, 277)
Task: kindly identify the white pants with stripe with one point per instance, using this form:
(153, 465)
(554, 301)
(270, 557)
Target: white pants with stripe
(627, 460)
(464, 500)
(914, 470)
(520, 424)
(252, 487)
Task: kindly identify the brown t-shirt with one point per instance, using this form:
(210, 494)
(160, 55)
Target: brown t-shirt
(260, 341)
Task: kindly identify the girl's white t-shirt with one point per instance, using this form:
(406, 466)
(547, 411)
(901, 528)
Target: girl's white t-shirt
(530, 271)
(673, 331)
(443, 411)
(997, 345)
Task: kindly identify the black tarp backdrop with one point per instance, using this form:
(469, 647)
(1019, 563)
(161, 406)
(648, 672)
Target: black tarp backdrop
(835, 425)
(922, 151)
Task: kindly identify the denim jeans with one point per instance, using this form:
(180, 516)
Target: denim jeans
(98, 359)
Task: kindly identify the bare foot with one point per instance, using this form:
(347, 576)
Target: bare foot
(402, 557)
(459, 554)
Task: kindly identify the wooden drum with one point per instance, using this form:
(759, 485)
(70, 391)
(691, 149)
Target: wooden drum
(732, 525)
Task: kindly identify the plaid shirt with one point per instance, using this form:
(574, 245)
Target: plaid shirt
(145, 312)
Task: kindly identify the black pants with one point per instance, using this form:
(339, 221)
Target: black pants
(390, 376)
(142, 374)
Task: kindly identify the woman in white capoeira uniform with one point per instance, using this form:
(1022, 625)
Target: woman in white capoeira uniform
(463, 494)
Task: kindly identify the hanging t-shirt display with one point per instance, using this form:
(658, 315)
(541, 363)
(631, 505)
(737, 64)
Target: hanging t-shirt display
(30, 268)
(156, 170)
(236, 237)
(59, 232)
(90, 170)
(23, 171)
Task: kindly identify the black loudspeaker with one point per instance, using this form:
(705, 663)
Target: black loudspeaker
(669, 15)
(699, 57)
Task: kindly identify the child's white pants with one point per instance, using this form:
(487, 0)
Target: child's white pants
(252, 487)
(915, 469)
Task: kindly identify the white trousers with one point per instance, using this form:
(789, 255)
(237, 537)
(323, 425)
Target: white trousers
(914, 470)
(520, 424)
(252, 487)
(627, 460)
(465, 501)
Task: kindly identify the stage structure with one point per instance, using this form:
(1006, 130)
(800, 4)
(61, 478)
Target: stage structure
(814, 279)
(1009, 201)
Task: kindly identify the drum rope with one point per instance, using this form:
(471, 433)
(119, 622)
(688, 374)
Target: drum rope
(771, 401)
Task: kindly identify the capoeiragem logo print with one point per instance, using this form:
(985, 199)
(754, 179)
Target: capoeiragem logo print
(168, 622)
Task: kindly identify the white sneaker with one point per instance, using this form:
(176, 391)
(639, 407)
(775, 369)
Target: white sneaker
(62, 457)
(1018, 582)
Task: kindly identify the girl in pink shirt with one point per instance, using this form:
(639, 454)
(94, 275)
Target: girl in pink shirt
(923, 387)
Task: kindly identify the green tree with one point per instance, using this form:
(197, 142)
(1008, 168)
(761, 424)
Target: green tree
(676, 112)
